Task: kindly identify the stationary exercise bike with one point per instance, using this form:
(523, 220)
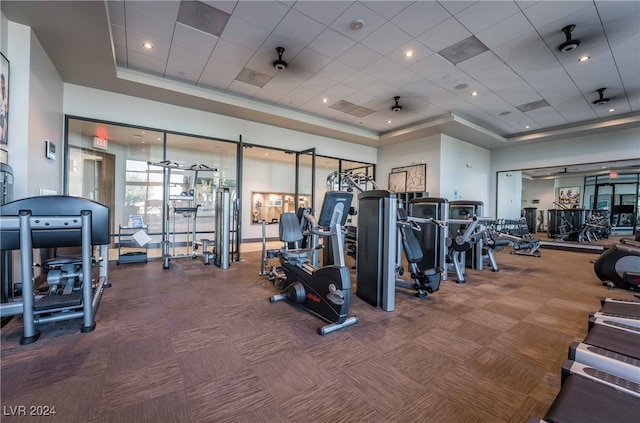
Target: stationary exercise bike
(325, 291)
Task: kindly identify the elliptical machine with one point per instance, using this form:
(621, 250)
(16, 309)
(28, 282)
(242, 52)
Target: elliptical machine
(325, 291)
(619, 266)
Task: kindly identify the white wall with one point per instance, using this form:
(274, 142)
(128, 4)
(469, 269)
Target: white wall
(611, 146)
(464, 171)
(45, 122)
(4, 24)
(103, 105)
(35, 114)
(509, 196)
(424, 150)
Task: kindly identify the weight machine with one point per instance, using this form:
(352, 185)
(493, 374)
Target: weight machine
(185, 204)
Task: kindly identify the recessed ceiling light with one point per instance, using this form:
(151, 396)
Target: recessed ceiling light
(266, 154)
(357, 24)
(612, 110)
(158, 139)
(584, 58)
(147, 45)
(527, 127)
(388, 121)
(324, 100)
(408, 53)
(474, 93)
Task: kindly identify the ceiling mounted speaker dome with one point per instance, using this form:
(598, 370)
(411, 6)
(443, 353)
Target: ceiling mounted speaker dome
(280, 64)
(396, 107)
(569, 44)
(601, 100)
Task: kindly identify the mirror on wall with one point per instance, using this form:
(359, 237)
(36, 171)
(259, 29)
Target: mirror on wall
(558, 200)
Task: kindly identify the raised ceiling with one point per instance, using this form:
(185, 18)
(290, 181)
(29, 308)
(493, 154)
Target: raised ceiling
(218, 56)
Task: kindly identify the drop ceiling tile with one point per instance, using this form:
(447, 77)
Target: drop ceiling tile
(166, 8)
(444, 34)
(317, 83)
(383, 68)
(611, 11)
(293, 102)
(622, 28)
(603, 74)
(299, 27)
(337, 71)
(529, 45)
(359, 57)
(322, 11)
(363, 99)
(480, 62)
(265, 14)
(121, 56)
(304, 93)
(309, 60)
(547, 116)
(263, 63)
(276, 84)
(437, 70)
(291, 47)
(296, 76)
(503, 81)
(180, 72)
(148, 23)
(244, 33)
(545, 12)
(331, 43)
(188, 57)
(419, 52)
(485, 14)
(267, 96)
(387, 9)
(222, 68)
(404, 77)
(340, 91)
(511, 28)
(359, 80)
(194, 40)
(456, 6)
(116, 12)
(242, 89)
(119, 35)
(386, 38)
(232, 53)
(372, 21)
(225, 5)
(145, 63)
(420, 17)
(160, 48)
(215, 81)
(382, 90)
(575, 109)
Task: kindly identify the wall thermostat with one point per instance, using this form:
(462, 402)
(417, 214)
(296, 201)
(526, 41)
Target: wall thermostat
(49, 150)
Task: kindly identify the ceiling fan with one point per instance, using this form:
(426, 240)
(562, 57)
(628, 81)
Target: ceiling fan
(280, 64)
(396, 107)
(601, 100)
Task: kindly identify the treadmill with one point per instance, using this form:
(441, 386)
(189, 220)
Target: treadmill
(622, 311)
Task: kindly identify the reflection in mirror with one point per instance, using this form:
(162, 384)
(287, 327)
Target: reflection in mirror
(561, 202)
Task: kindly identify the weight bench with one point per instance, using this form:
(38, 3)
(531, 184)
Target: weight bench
(51, 222)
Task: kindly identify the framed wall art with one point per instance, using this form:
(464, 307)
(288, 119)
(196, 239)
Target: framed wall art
(416, 177)
(398, 182)
(4, 99)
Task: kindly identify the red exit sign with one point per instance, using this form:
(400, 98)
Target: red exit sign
(100, 143)
(613, 174)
